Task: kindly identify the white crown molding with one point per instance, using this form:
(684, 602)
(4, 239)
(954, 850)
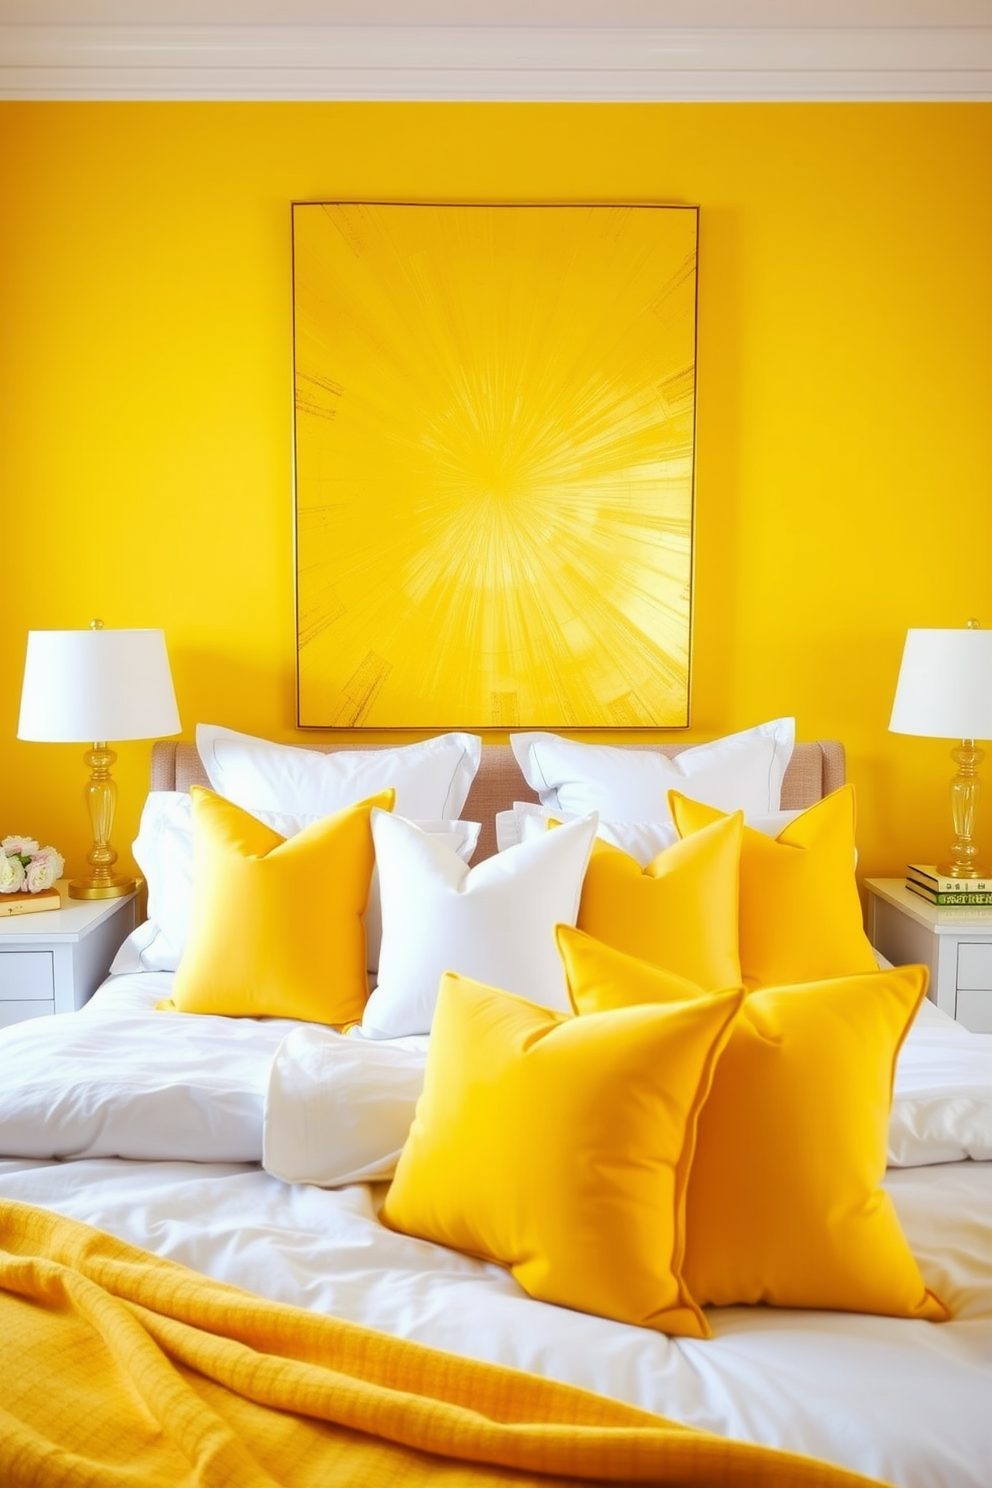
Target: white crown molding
(495, 63)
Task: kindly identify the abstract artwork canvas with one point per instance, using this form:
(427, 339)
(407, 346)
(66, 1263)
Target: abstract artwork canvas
(495, 415)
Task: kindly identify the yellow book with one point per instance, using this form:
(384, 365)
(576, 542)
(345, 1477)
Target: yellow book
(24, 903)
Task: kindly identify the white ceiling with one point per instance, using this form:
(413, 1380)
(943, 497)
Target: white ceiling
(500, 49)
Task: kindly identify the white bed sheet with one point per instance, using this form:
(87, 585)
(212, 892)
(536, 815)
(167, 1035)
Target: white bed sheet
(942, 1101)
(120, 1079)
(906, 1402)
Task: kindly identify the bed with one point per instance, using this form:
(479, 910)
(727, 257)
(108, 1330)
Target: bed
(133, 1140)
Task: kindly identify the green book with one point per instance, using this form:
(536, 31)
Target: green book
(977, 897)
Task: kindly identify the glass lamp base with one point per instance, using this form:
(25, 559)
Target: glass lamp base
(964, 812)
(85, 888)
(101, 799)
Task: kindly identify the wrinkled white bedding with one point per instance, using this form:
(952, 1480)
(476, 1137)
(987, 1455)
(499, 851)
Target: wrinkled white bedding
(906, 1402)
(118, 1079)
(338, 1110)
(942, 1106)
(121, 1079)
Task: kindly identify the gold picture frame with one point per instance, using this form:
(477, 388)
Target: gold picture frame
(494, 447)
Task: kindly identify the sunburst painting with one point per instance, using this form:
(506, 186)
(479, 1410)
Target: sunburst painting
(494, 464)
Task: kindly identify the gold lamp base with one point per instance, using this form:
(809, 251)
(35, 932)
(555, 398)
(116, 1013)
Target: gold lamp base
(87, 888)
(101, 799)
(964, 812)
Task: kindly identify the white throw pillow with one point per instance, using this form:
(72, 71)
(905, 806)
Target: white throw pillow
(163, 850)
(494, 923)
(742, 772)
(642, 841)
(461, 837)
(431, 779)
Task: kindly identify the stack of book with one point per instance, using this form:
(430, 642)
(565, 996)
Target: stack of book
(938, 888)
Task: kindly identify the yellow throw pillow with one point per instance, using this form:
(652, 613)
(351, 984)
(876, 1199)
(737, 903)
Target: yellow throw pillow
(800, 912)
(548, 1143)
(784, 1201)
(276, 927)
(601, 979)
(680, 912)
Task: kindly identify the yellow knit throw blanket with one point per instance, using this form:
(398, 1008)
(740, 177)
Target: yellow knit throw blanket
(118, 1367)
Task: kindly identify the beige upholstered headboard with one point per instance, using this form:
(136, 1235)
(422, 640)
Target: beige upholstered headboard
(814, 771)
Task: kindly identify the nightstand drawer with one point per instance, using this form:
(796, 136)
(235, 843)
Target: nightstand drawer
(19, 1012)
(975, 968)
(55, 959)
(27, 976)
(955, 943)
(974, 1010)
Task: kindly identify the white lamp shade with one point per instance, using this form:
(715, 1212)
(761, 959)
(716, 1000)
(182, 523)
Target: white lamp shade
(96, 686)
(945, 685)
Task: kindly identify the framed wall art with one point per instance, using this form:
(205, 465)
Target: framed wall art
(495, 414)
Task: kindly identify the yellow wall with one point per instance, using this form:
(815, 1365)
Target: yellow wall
(844, 436)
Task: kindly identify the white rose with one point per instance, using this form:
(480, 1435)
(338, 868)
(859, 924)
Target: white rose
(54, 857)
(38, 875)
(11, 875)
(22, 847)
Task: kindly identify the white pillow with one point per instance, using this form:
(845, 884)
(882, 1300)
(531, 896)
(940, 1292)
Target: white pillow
(742, 772)
(494, 923)
(163, 850)
(643, 841)
(431, 779)
(461, 837)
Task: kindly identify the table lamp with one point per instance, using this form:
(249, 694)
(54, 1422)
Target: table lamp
(944, 691)
(96, 684)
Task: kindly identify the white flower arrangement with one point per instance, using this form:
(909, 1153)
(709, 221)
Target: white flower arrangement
(26, 868)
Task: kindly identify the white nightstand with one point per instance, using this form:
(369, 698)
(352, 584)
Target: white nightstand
(52, 961)
(956, 944)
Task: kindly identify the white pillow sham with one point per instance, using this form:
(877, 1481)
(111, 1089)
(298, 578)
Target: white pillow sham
(431, 779)
(741, 772)
(643, 841)
(494, 923)
(163, 850)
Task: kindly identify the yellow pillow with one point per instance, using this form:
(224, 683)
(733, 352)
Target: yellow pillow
(548, 1143)
(601, 979)
(680, 912)
(784, 1200)
(276, 928)
(800, 913)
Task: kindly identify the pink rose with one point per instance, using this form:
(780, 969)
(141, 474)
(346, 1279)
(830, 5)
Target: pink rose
(52, 856)
(11, 875)
(20, 847)
(39, 874)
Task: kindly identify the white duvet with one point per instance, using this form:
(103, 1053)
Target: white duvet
(906, 1402)
(118, 1079)
(121, 1079)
